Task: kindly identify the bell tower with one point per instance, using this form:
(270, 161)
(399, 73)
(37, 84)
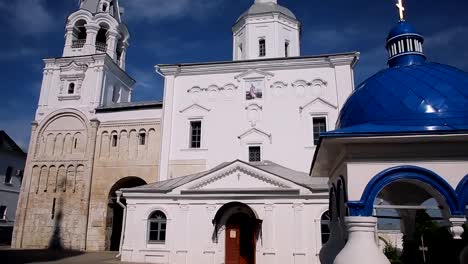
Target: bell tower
(91, 72)
(97, 28)
(266, 30)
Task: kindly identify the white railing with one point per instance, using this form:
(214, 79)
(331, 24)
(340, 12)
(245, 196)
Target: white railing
(78, 44)
(102, 47)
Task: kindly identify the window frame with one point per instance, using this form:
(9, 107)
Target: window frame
(159, 222)
(260, 152)
(142, 138)
(8, 175)
(315, 140)
(190, 143)
(3, 217)
(114, 139)
(262, 47)
(324, 222)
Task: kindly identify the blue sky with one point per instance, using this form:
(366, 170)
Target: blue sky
(200, 30)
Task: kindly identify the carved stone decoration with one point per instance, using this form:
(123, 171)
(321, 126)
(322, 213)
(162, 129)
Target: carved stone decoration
(212, 91)
(229, 90)
(317, 87)
(71, 73)
(300, 87)
(195, 93)
(278, 88)
(254, 113)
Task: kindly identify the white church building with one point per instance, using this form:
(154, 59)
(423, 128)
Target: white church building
(272, 157)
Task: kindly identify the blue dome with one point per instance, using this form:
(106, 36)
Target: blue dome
(402, 28)
(415, 98)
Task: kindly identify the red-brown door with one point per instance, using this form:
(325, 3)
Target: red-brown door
(240, 240)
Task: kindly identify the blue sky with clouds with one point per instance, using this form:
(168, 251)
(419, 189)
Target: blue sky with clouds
(200, 30)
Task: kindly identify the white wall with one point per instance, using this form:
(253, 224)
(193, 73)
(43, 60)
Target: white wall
(294, 92)
(274, 28)
(290, 231)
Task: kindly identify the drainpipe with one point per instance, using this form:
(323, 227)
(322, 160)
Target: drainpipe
(122, 234)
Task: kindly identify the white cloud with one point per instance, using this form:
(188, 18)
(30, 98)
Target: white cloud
(29, 17)
(155, 10)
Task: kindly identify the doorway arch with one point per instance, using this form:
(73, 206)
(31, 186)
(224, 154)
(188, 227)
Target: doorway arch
(242, 229)
(115, 211)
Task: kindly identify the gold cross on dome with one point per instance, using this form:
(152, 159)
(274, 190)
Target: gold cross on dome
(401, 7)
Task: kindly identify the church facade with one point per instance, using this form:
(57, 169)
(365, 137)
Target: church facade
(272, 157)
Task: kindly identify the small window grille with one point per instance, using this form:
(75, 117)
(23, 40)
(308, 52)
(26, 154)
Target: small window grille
(114, 140)
(262, 48)
(195, 134)
(142, 138)
(157, 223)
(320, 126)
(8, 174)
(255, 154)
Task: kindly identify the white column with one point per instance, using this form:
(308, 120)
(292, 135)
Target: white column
(361, 247)
(91, 33)
(112, 44)
(299, 249)
(68, 41)
(268, 235)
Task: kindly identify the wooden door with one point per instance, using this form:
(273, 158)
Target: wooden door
(233, 244)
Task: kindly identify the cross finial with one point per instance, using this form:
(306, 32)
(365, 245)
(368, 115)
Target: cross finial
(401, 8)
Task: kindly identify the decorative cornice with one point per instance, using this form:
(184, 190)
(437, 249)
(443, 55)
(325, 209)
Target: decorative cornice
(225, 173)
(195, 106)
(318, 99)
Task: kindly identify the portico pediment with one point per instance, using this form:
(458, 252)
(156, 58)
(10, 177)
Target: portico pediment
(241, 178)
(254, 74)
(317, 102)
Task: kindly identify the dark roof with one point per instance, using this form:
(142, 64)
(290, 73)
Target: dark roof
(426, 97)
(7, 144)
(130, 106)
(300, 178)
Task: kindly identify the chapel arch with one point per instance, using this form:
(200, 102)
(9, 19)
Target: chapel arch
(241, 231)
(115, 211)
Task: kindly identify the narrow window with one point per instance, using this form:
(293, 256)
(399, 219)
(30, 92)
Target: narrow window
(3, 210)
(104, 8)
(286, 49)
(8, 174)
(240, 51)
(195, 134)
(52, 214)
(115, 95)
(75, 143)
(320, 126)
(255, 154)
(157, 227)
(142, 137)
(262, 47)
(114, 140)
(71, 88)
(325, 226)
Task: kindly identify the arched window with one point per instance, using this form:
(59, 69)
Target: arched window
(79, 34)
(71, 88)
(115, 95)
(157, 227)
(324, 224)
(101, 38)
(104, 7)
